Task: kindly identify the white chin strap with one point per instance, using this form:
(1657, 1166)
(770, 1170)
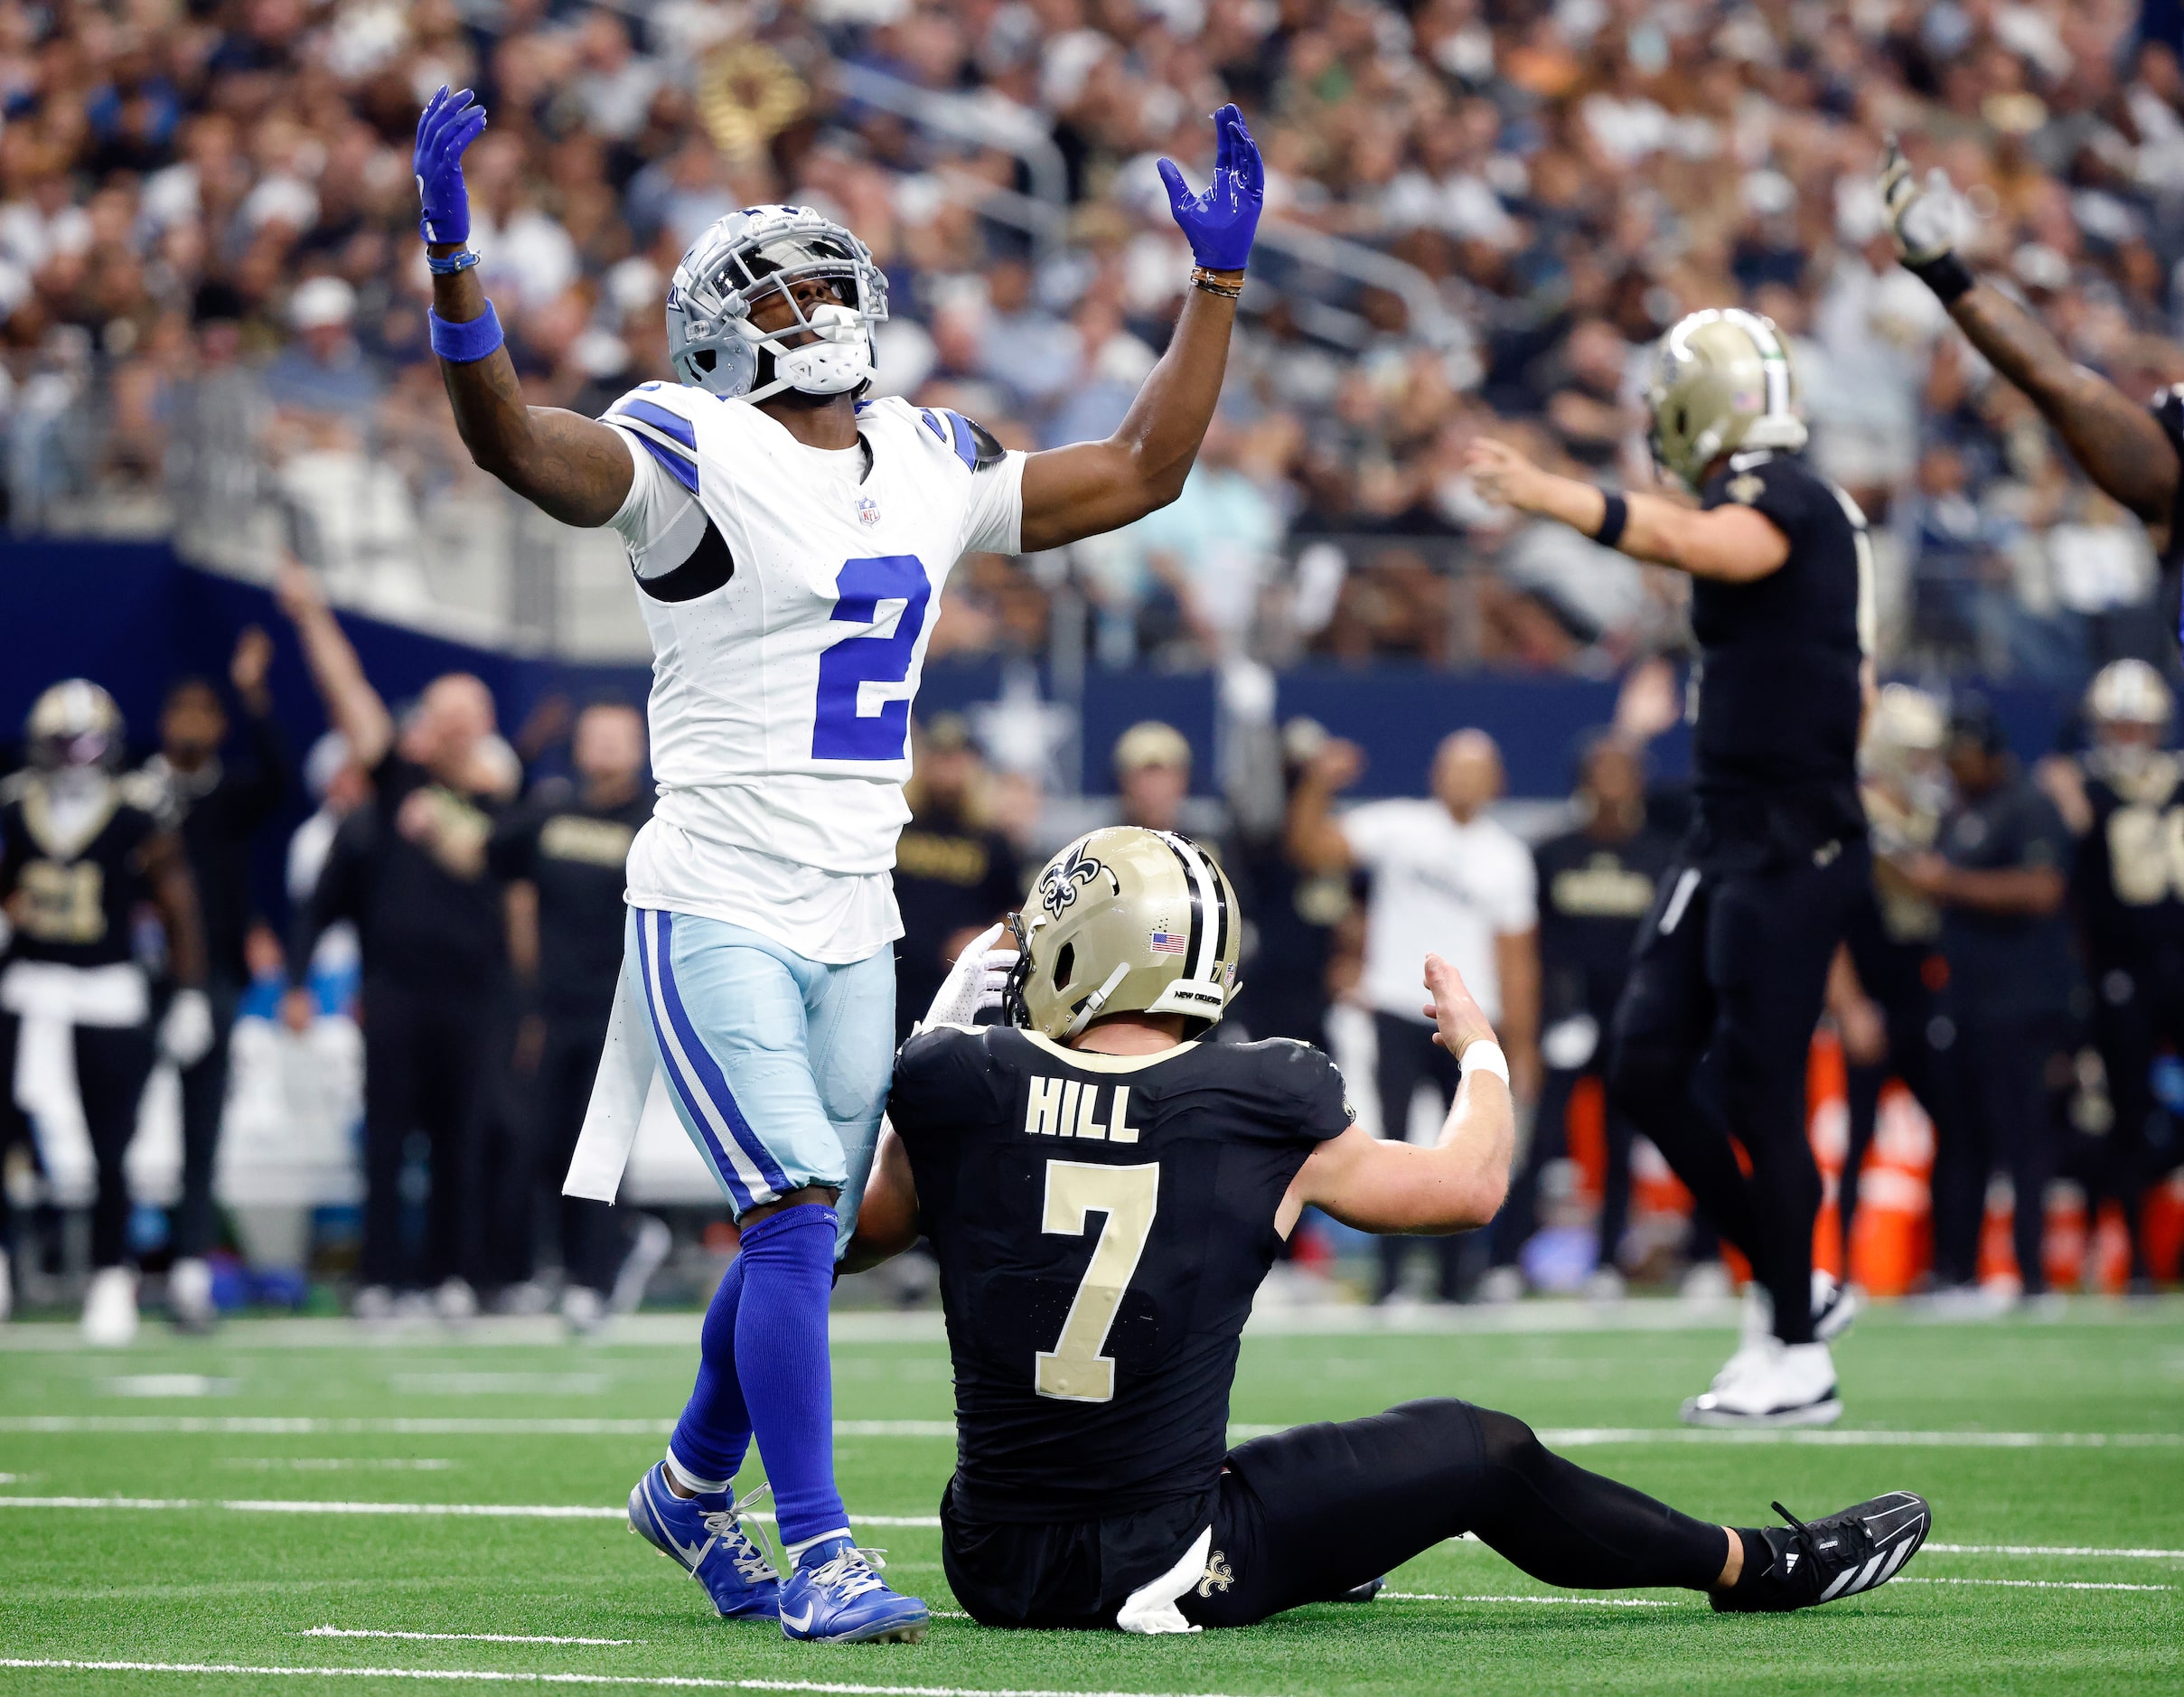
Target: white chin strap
(836, 363)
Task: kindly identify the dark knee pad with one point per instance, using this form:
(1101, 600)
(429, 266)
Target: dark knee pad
(1505, 1440)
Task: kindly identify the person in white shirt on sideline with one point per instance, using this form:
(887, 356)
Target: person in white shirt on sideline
(1449, 879)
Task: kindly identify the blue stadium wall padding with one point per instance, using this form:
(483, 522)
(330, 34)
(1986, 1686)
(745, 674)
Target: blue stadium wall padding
(134, 618)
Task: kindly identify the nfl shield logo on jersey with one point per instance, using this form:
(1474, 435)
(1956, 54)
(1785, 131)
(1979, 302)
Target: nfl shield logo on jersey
(867, 510)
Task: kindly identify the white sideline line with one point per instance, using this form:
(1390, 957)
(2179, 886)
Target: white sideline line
(670, 1681)
(1590, 1602)
(478, 1511)
(2054, 1549)
(1580, 1436)
(2038, 1585)
(467, 1638)
(1565, 1438)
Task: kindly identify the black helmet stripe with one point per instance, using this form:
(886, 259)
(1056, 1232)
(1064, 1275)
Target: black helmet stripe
(1208, 942)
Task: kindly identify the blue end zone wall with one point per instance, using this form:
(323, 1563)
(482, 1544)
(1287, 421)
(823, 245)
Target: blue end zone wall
(134, 618)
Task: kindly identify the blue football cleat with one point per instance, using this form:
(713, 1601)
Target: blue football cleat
(835, 1595)
(710, 1545)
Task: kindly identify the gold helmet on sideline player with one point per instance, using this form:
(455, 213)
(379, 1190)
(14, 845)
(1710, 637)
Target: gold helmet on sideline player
(1906, 732)
(1126, 919)
(75, 723)
(2129, 692)
(1722, 381)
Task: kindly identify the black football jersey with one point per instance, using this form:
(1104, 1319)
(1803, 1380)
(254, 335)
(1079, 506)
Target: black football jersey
(2168, 408)
(1777, 694)
(1101, 1223)
(74, 899)
(2128, 880)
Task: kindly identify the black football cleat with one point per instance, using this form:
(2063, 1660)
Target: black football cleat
(1826, 1560)
(1363, 1593)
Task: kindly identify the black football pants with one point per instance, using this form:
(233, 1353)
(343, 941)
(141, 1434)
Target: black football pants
(1406, 1056)
(1725, 988)
(1519, 1217)
(1911, 1015)
(2135, 1013)
(2004, 1117)
(591, 1239)
(112, 1064)
(428, 1058)
(1306, 1515)
(204, 1102)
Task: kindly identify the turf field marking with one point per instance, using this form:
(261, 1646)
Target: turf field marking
(479, 1511)
(2037, 1585)
(1581, 1437)
(2055, 1550)
(500, 1383)
(169, 1384)
(578, 1425)
(336, 1464)
(1503, 1597)
(488, 1675)
(466, 1637)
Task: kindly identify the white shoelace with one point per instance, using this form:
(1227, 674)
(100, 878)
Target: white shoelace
(726, 1525)
(851, 1572)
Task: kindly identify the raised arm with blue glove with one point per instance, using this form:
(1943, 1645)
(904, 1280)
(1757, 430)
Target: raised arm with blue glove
(575, 468)
(1091, 487)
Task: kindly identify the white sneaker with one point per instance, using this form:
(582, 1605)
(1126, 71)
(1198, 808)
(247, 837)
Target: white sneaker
(1501, 1285)
(190, 1295)
(647, 1253)
(1776, 1384)
(373, 1304)
(455, 1302)
(1604, 1284)
(583, 1310)
(1705, 1281)
(109, 1307)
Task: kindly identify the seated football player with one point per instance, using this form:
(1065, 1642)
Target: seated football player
(1105, 1192)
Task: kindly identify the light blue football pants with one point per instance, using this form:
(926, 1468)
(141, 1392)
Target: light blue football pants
(777, 1065)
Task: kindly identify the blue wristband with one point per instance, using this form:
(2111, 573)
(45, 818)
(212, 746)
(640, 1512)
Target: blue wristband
(473, 339)
(452, 264)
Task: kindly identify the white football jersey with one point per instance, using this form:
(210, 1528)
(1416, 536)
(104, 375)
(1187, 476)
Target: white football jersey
(789, 593)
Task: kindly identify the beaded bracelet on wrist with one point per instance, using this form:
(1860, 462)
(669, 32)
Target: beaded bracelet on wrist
(1217, 282)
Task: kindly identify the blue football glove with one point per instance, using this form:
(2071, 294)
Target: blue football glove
(450, 123)
(1218, 223)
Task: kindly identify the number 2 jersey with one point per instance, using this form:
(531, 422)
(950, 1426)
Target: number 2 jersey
(1101, 1223)
(789, 593)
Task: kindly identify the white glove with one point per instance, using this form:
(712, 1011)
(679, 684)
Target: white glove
(186, 1033)
(974, 983)
(1928, 221)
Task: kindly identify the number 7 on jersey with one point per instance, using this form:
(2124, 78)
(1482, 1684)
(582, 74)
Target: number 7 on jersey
(1075, 1370)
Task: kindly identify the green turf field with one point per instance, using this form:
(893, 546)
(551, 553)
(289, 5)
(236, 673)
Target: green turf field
(215, 1570)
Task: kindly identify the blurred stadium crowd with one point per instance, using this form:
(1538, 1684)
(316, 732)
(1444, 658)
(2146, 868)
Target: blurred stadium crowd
(1480, 213)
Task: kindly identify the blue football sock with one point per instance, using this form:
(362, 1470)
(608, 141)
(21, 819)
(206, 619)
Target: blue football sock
(781, 1360)
(713, 1434)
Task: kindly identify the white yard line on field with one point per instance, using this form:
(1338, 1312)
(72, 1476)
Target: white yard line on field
(475, 1511)
(466, 1637)
(2054, 1549)
(2035, 1585)
(496, 1677)
(1594, 1602)
(578, 1425)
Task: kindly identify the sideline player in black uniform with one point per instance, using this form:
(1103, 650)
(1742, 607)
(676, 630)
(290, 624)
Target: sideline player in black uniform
(563, 866)
(1732, 966)
(1596, 884)
(81, 849)
(2135, 453)
(2125, 804)
(1887, 989)
(1105, 1193)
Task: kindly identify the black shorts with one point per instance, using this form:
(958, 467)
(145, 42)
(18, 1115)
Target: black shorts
(1309, 1513)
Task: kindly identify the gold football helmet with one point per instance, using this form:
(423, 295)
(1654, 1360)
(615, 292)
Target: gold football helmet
(1722, 381)
(2129, 692)
(1126, 919)
(75, 723)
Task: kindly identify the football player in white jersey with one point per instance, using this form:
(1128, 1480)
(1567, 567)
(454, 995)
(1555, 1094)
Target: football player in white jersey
(790, 539)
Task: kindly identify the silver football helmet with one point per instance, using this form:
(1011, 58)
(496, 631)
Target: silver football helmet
(739, 261)
(75, 723)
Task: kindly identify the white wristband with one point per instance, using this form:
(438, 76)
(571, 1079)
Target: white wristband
(1483, 1056)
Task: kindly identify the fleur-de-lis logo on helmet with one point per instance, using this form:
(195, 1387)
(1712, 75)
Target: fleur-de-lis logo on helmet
(1059, 886)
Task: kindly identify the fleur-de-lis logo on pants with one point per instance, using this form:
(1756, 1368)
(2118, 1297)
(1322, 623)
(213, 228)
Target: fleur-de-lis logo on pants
(1218, 1576)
